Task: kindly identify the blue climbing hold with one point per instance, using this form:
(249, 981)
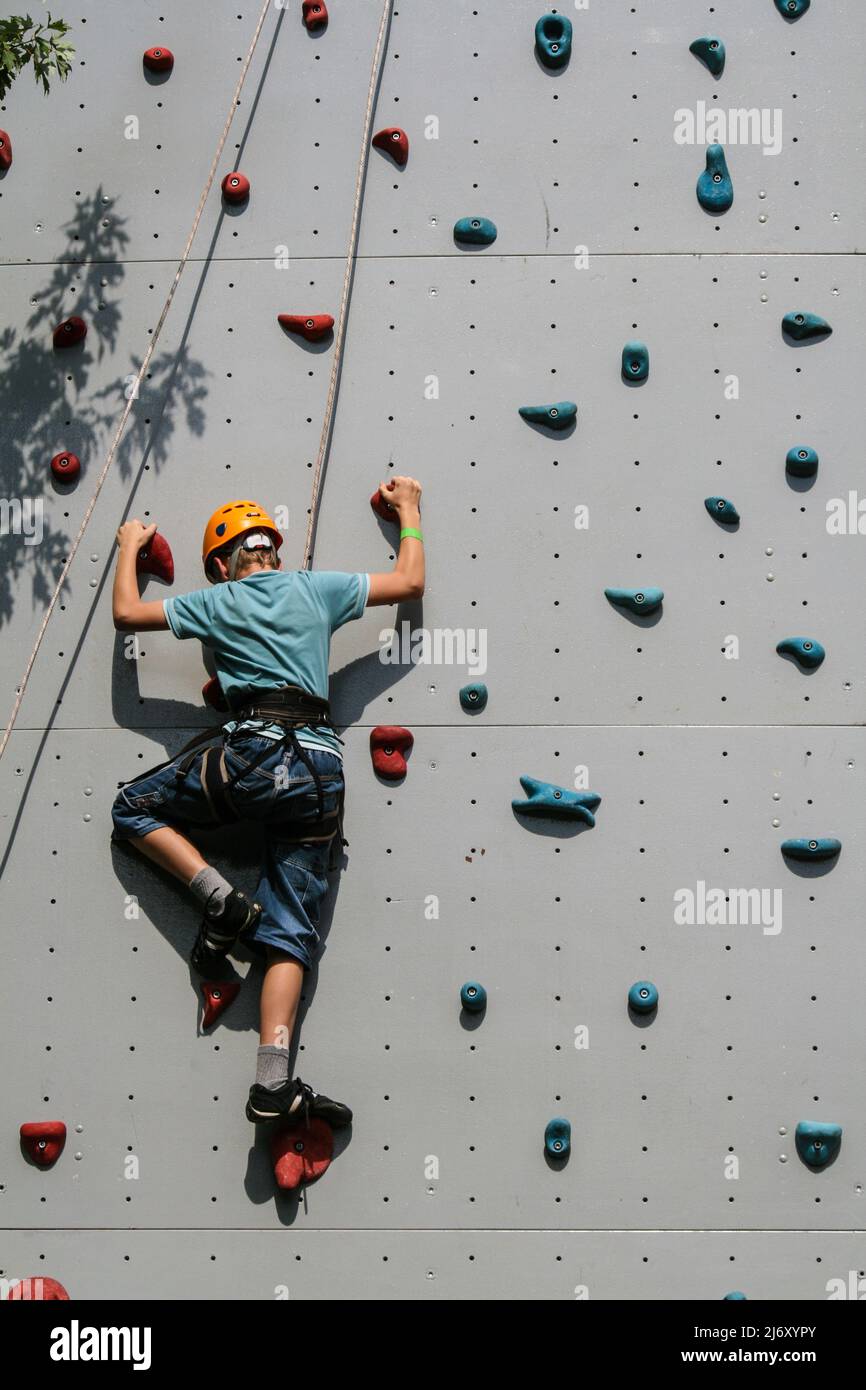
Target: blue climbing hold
(735, 1297)
(792, 9)
(473, 697)
(802, 326)
(711, 51)
(553, 34)
(643, 997)
(720, 509)
(473, 997)
(557, 1137)
(827, 848)
(640, 601)
(817, 1143)
(477, 231)
(545, 799)
(807, 651)
(556, 417)
(801, 461)
(635, 362)
(715, 189)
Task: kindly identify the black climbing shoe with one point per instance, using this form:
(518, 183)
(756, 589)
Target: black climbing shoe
(217, 935)
(272, 1105)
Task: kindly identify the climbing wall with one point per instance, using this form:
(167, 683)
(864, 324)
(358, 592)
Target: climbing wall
(707, 748)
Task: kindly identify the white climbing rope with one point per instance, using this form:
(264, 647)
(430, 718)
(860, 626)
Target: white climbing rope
(141, 372)
(330, 403)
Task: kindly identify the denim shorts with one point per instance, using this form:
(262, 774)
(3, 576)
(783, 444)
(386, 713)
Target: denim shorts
(294, 875)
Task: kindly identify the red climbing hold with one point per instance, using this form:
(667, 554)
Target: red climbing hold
(218, 994)
(212, 694)
(301, 1155)
(389, 744)
(5, 150)
(315, 13)
(36, 1288)
(156, 558)
(382, 508)
(66, 467)
(395, 141)
(313, 327)
(70, 332)
(235, 187)
(158, 59)
(44, 1140)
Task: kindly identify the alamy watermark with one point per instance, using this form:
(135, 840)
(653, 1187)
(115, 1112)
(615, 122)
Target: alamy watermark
(22, 516)
(439, 646)
(739, 126)
(729, 907)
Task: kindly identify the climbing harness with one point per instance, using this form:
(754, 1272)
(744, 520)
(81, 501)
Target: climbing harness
(291, 708)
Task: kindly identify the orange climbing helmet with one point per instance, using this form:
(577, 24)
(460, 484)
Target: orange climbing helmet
(232, 520)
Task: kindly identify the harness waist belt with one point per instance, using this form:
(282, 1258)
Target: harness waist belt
(291, 706)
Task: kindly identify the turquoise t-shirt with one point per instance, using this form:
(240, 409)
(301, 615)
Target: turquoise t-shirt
(272, 628)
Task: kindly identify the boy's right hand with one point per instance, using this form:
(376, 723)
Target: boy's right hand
(403, 494)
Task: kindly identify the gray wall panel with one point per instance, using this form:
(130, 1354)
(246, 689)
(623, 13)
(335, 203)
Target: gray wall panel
(434, 1265)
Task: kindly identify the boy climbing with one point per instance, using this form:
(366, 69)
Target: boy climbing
(276, 760)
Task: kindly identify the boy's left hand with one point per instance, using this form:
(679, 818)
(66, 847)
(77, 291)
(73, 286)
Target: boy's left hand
(132, 535)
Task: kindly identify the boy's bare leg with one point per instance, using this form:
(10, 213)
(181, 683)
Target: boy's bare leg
(227, 912)
(172, 851)
(281, 994)
(284, 975)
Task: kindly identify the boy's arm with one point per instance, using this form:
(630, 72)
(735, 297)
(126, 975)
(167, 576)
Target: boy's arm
(406, 580)
(130, 613)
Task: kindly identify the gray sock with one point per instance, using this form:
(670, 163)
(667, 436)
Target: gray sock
(211, 889)
(272, 1067)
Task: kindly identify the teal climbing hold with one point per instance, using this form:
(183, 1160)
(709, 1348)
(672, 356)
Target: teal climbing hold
(473, 697)
(473, 997)
(715, 189)
(792, 9)
(477, 231)
(711, 51)
(643, 997)
(635, 362)
(735, 1297)
(826, 848)
(807, 651)
(553, 34)
(817, 1143)
(557, 1137)
(556, 417)
(640, 601)
(801, 461)
(546, 799)
(720, 509)
(803, 327)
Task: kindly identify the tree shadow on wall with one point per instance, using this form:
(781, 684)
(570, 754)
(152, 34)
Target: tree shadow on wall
(48, 405)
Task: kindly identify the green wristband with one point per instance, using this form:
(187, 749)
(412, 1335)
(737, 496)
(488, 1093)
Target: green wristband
(411, 531)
